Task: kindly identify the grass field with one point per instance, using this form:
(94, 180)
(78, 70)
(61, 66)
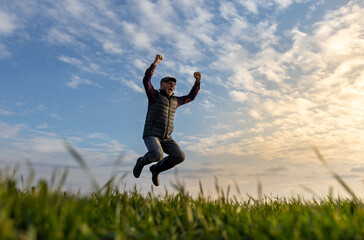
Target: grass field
(44, 211)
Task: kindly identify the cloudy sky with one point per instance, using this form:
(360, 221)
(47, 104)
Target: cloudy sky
(278, 76)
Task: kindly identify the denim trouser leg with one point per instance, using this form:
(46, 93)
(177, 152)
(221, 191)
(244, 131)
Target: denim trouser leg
(155, 150)
(174, 151)
(157, 146)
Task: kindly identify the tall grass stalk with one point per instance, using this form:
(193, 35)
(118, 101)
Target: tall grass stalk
(334, 174)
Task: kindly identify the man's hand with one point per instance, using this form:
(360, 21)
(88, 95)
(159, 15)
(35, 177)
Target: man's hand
(197, 76)
(158, 59)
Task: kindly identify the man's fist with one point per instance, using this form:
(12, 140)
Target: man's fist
(158, 58)
(197, 76)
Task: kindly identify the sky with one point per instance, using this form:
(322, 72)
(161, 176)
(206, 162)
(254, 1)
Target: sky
(278, 77)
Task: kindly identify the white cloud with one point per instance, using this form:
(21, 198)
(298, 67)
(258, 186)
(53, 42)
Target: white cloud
(254, 5)
(187, 71)
(210, 107)
(5, 112)
(187, 47)
(56, 36)
(138, 37)
(85, 65)
(314, 7)
(56, 116)
(215, 144)
(238, 96)
(4, 52)
(319, 97)
(115, 146)
(75, 7)
(43, 126)
(9, 131)
(77, 22)
(45, 145)
(238, 28)
(220, 126)
(286, 106)
(76, 81)
(255, 114)
(97, 135)
(157, 16)
(132, 85)
(73, 61)
(7, 23)
(159, 21)
(140, 64)
(228, 10)
(284, 3)
(250, 6)
(153, 21)
(40, 147)
(19, 104)
(112, 48)
(40, 107)
(337, 28)
(186, 110)
(201, 26)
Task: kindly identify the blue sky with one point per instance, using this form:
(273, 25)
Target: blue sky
(277, 77)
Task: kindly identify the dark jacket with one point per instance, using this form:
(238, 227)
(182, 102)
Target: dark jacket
(161, 108)
(160, 117)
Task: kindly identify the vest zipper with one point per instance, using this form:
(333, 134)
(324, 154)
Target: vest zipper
(169, 110)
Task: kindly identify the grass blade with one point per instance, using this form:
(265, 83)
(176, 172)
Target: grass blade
(259, 188)
(335, 175)
(83, 164)
(31, 176)
(63, 180)
(201, 188)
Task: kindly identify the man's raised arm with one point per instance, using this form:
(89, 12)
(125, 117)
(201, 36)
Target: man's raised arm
(147, 80)
(193, 93)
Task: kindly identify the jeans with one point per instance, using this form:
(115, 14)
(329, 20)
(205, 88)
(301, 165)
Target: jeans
(156, 146)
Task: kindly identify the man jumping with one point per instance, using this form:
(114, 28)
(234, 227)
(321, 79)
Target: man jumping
(158, 127)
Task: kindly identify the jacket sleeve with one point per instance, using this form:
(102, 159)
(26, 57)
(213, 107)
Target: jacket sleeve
(148, 86)
(190, 97)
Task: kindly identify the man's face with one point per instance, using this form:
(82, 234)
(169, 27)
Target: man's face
(168, 87)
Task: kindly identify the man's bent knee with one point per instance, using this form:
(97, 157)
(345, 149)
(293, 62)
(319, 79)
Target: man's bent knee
(155, 156)
(179, 158)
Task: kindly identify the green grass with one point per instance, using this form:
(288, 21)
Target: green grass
(45, 211)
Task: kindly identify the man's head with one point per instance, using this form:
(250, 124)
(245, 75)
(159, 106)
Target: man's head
(168, 84)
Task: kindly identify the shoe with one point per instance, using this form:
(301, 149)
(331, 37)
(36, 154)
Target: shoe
(155, 175)
(138, 167)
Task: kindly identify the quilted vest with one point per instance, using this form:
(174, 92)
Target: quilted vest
(160, 116)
